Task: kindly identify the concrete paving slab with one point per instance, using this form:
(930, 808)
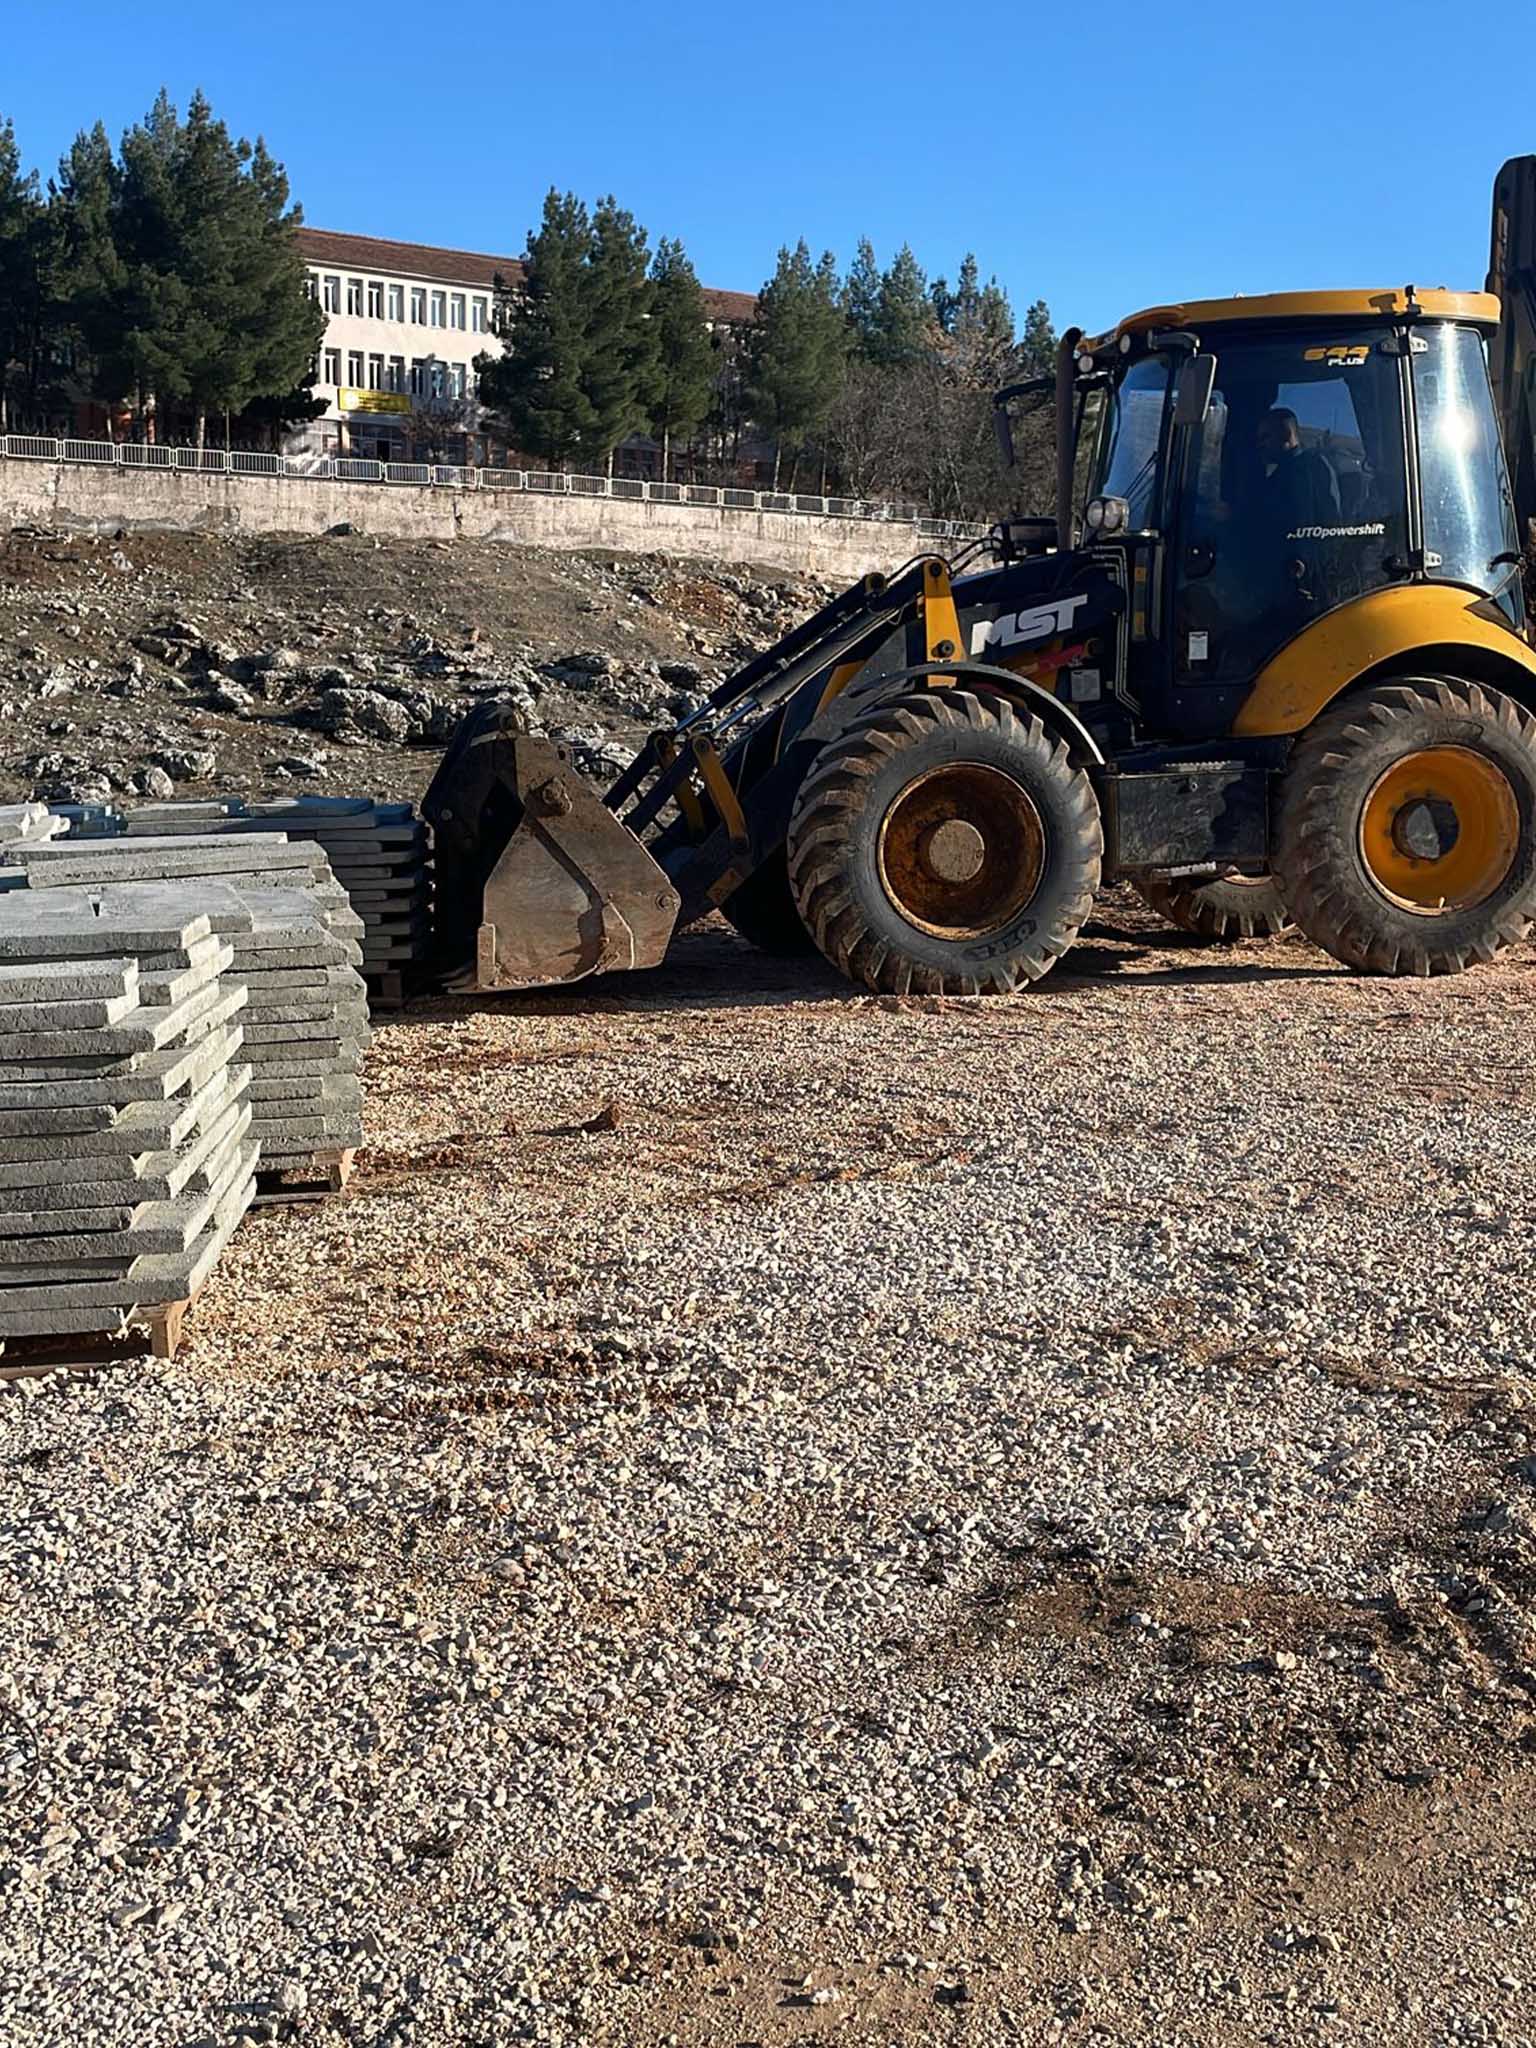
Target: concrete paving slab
(154, 1078)
(47, 981)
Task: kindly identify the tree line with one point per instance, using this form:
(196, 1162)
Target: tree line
(161, 279)
(869, 383)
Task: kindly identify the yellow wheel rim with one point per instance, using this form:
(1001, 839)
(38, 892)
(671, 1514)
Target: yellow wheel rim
(961, 850)
(1440, 830)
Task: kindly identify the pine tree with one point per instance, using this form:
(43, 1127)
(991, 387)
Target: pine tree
(619, 346)
(82, 202)
(903, 320)
(1037, 344)
(21, 233)
(535, 387)
(184, 276)
(798, 346)
(685, 354)
(861, 295)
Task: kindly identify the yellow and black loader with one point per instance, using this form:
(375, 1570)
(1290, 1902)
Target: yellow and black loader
(1266, 659)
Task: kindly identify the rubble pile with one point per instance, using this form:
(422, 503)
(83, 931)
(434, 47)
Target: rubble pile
(165, 665)
(126, 1155)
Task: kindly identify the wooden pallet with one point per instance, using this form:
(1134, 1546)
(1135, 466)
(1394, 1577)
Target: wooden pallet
(326, 1174)
(156, 1330)
(386, 990)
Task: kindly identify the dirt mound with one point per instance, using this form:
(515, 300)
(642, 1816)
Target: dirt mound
(156, 664)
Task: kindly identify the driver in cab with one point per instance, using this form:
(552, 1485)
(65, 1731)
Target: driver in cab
(1299, 489)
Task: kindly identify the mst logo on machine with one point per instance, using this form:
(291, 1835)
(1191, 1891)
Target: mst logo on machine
(1015, 628)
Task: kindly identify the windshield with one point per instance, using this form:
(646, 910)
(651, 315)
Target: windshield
(1469, 516)
(1132, 438)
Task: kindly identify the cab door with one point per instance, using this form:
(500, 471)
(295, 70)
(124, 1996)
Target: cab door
(1291, 500)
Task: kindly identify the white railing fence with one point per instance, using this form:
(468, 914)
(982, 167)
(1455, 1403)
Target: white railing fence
(453, 476)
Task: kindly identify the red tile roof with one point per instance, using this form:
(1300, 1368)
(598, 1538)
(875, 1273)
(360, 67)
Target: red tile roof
(460, 266)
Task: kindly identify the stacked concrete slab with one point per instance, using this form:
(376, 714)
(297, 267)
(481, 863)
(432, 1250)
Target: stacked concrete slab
(296, 949)
(306, 1030)
(126, 1158)
(378, 853)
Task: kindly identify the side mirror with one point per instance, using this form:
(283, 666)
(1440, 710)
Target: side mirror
(1192, 396)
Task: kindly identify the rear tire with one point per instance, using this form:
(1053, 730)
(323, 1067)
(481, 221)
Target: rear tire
(1229, 909)
(944, 843)
(1406, 841)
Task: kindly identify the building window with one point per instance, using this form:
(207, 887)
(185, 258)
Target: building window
(456, 310)
(397, 302)
(311, 285)
(354, 295)
(439, 313)
(375, 299)
(333, 366)
(355, 369)
(480, 316)
(375, 373)
(333, 295)
(438, 384)
(418, 306)
(396, 373)
(418, 377)
(455, 380)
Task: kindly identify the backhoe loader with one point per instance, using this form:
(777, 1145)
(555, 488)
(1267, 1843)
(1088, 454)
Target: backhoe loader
(1266, 659)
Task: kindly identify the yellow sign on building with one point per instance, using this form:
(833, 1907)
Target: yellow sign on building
(350, 400)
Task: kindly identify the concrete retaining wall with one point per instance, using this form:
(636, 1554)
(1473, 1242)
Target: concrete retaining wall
(108, 499)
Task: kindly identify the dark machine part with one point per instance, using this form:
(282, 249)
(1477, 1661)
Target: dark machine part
(1512, 350)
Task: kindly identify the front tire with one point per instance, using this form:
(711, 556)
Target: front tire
(945, 843)
(1406, 841)
(1229, 909)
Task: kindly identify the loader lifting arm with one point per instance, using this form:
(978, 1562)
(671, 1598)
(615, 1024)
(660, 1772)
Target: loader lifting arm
(539, 881)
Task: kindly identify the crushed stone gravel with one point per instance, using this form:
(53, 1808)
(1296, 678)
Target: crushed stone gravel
(768, 1511)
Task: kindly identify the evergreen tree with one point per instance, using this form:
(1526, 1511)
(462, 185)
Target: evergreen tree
(798, 347)
(619, 345)
(82, 202)
(1037, 344)
(861, 296)
(536, 386)
(685, 355)
(21, 231)
(903, 320)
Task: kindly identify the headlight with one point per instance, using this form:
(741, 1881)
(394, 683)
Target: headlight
(1107, 515)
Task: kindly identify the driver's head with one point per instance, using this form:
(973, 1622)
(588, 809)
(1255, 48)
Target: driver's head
(1278, 434)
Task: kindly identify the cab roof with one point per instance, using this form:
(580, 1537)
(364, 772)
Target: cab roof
(1481, 309)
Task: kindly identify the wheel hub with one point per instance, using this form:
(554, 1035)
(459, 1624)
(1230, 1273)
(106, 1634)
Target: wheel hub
(962, 850)
(954, 851)
(1440, 830)
(1426, 829)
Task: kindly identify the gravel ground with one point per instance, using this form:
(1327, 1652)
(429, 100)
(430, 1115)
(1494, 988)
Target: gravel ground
(770, 1512)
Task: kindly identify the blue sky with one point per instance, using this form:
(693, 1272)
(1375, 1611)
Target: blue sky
(1102, 158)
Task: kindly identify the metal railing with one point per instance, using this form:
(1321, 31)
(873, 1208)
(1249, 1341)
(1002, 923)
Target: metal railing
(455, 476)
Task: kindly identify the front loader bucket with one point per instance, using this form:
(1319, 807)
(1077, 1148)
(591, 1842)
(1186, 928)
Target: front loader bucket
(537, 881)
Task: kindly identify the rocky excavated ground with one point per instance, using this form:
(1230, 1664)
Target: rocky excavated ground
(768, 1514)
(160, 665)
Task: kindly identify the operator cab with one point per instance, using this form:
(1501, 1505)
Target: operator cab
(1259, 462)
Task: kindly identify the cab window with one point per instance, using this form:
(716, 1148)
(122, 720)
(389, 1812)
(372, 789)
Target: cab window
(1294, 496)
(1131, 440)
(1470, 534)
